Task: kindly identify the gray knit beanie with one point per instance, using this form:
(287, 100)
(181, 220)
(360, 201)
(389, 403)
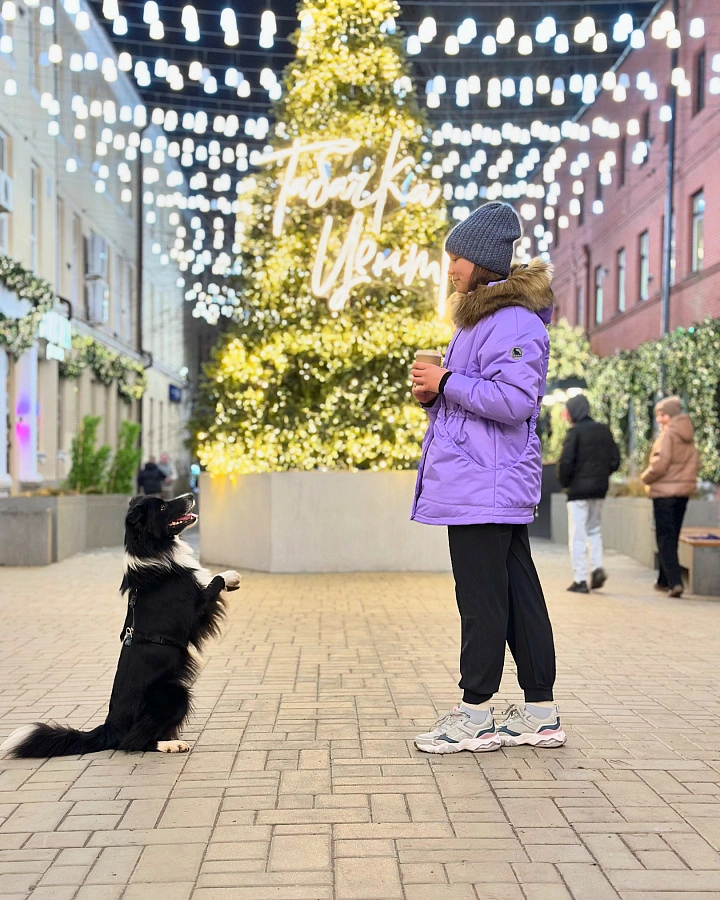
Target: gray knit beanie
(486, 237)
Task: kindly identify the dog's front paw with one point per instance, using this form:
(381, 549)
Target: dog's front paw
(173, 747)
(231, 579)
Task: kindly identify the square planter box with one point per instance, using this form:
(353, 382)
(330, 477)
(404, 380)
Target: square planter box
(41, 530)
(317, 522)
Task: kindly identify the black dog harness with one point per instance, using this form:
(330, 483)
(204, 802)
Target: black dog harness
(132, 635)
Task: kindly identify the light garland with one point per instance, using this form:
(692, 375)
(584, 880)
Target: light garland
(108, 367)
(18, 335)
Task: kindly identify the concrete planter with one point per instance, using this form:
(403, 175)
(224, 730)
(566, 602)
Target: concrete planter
(628, 524)
(41, 530)
(317, 522)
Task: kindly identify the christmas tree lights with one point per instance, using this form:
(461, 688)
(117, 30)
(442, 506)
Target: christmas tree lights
(314, 372)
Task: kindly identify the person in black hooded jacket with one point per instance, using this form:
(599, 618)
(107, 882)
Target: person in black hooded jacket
(589, 457)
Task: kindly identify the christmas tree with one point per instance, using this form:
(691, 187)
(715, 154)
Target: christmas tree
(341, 270)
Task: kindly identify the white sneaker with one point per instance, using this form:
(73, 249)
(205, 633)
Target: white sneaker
(455, 731)
(520, 727)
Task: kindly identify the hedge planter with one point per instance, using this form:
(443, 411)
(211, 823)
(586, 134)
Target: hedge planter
(317, 522)
(42, 530)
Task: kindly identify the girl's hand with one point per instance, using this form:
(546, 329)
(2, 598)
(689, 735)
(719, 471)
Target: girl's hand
(427, 377)
(423, 396)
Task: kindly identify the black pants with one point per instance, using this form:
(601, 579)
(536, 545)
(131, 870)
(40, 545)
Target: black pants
(669, 515)
(500, 599)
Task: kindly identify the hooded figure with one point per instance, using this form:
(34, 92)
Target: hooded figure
(589, 457)
(670, 478)
(674, 459)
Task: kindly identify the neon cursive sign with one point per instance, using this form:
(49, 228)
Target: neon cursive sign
(359, 258)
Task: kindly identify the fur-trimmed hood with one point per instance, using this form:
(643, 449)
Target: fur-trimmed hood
(526, 285)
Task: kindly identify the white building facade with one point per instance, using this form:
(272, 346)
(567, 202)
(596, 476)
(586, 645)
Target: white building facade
(81, 206)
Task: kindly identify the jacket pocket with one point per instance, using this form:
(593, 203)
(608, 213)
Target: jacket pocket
(472, 437)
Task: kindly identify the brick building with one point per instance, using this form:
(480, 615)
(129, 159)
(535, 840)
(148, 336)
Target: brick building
(606, 222)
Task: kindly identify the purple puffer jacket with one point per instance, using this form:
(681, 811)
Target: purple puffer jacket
(481, 458)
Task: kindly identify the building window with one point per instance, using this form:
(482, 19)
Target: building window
(644, 265)
(672, 249)
(34, 219)
(76, 262)
(579, 305)
(623, 156)
(699, 90)
(621, 275)
(698, 230)
(598, 295)
(646, 133)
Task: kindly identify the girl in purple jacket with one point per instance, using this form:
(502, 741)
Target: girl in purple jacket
(480, 475)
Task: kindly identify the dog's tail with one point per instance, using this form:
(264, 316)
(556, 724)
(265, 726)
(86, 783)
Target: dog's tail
(39, 741)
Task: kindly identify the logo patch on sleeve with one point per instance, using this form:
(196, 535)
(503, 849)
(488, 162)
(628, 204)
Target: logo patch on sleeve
(516, 353)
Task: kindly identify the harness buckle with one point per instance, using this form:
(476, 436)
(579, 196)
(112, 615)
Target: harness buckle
(128, 636)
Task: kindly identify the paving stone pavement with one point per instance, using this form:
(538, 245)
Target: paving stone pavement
(303, 782)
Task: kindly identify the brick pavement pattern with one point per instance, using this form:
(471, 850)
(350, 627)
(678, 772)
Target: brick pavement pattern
(303, 782)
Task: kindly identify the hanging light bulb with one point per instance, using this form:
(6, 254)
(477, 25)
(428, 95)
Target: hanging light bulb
(9, 11)
(489, 46)
(600, 43)
(542, 85)
(124, 61)
(452, 47)
(637, 39)
(525, 45)
(120, 26)
(467, 31)
(157, 32)
(562, 43)
(505, 31)
(55, 54)
(427, 30)
(47, 16)
(82, 21)
(110, 9)
(189, 21)
(697, 28)
(414, 45)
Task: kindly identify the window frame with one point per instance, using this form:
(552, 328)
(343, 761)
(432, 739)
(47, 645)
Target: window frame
(599, 270)
(621, 279)
(697, 232)
(644, 265)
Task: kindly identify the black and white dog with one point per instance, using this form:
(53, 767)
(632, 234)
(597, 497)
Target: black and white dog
(172, 603)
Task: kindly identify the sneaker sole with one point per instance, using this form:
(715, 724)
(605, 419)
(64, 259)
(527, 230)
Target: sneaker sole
(544, 740)
(472, 744)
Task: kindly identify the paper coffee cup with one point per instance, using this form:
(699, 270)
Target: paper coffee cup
(433, 357)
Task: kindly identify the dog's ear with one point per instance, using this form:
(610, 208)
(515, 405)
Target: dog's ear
(136, 512)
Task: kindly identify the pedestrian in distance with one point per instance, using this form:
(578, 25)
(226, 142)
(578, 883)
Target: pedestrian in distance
(169, 471)
(480, 476)
(589, 457)
(150, 479)
(670, 479)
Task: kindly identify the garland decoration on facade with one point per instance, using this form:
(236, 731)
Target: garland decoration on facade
(18, 335)
(107, 366)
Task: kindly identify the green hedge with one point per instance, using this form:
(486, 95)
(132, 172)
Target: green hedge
(624, 388)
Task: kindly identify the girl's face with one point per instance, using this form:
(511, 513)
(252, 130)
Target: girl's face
(662, 419)
(460, 271)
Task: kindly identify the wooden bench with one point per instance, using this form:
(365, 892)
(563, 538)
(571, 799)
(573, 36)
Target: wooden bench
(699, 553)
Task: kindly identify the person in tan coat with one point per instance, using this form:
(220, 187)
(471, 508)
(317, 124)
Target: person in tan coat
(670, 479)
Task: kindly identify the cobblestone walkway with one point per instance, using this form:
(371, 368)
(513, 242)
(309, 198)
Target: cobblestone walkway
(303, 782)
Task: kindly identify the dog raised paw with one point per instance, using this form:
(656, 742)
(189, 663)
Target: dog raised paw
(173, 747)
(231, 579)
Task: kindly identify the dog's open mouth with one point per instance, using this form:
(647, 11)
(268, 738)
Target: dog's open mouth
(183, 521)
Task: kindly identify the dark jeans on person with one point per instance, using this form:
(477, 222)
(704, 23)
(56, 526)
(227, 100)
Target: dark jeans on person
(669, 515)
(500, 599)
